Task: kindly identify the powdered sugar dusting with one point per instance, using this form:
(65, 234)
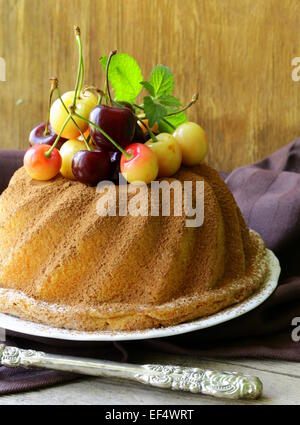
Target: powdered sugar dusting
(40, 330)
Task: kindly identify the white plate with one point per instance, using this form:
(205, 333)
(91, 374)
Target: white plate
(37, 330)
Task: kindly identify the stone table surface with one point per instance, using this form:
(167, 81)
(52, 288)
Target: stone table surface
(281, 382)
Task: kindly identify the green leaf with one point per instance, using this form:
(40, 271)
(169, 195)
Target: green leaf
(169, 101)
(175, 120)
(162, 80)
(148, 87)
(124, 75)
(154, 111)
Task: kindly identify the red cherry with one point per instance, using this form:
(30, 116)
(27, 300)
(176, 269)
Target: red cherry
(37, 136)
(142, 166)
(126, 104)
(118, 123)
(115, 158)
(90, 167)
(39, 166)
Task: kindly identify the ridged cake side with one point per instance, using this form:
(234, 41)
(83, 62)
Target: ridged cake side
(69, 267)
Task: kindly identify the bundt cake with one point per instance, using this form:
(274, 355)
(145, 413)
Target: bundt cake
(63, 264)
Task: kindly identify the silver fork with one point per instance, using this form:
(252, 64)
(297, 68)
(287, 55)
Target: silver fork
(195, 380)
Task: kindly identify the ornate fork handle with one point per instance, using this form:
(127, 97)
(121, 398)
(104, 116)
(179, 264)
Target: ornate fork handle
(196, 380)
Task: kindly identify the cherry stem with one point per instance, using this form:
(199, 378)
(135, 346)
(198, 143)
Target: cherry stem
(52, 89)
(107, 88)
(75, 123)
(169, 123)
(193, 100)
(100, 93)
(82, 76)
(138, 106)
(152, 135)
(80, 69)
(128, 156)
(48, 153)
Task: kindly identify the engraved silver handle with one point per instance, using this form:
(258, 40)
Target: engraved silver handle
(196, 380)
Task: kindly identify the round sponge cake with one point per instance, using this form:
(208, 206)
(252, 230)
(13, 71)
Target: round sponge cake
(61, 263)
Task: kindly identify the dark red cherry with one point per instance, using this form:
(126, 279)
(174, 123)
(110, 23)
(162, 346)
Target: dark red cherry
(90, 167)
(126, 104)
(37, 136)
(118, 123)
(115, 158)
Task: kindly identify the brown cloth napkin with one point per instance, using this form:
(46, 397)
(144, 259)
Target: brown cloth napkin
(268, 194)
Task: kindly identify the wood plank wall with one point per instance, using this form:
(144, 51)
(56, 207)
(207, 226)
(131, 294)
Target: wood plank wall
(236, 53)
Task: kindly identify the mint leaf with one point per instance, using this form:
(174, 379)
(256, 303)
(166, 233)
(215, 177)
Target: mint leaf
(148, 87)
(169, 101)
(175, 120)
(162, 80)
(124, 75)
(154, 111)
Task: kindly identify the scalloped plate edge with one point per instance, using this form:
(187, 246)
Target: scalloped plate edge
(25, 327)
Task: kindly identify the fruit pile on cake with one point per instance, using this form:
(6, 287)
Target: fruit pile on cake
(62, 263)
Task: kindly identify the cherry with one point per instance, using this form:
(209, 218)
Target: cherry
(90, 167)
(168, 153)
(117, 120)
(39, 166)
(125, 104)
(118, 123)
(84, 104)
(115, 158)
(67, 152)
(142, 166)
(38, 137)
(192, 142)
(43, 133)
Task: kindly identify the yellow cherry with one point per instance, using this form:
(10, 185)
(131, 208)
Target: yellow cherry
(67, 152)
(193, 143)
(84, 104)
(142, 166)
(168, 154)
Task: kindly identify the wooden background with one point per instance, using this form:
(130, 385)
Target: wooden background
(236, 53)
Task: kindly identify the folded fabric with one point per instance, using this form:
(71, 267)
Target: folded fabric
(10, 161)
(268, 194)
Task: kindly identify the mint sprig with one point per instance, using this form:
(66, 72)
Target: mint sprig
(160, 105)
(124, 75)
(174, 120)
(170, 101)
(162, 80)
(148, 86)
(161, 102)
(154, 111)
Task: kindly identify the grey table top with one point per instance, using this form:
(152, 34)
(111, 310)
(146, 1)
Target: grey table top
(281, 385)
